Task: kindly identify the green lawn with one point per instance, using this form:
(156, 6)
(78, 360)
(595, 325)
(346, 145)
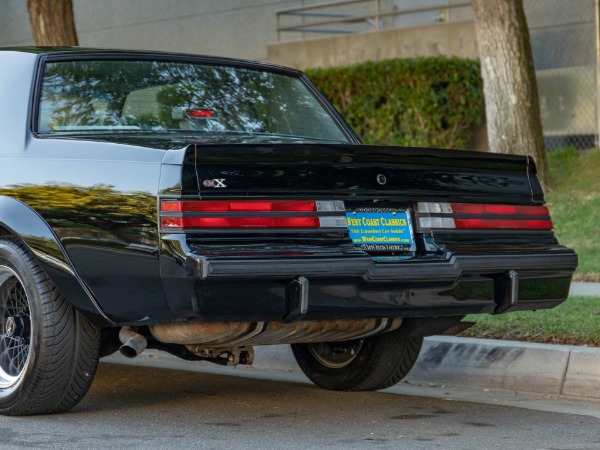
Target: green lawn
(574, 201)
(576, 321)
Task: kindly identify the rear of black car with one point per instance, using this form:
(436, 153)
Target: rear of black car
(275, 212)
(272, 225)
(317, 232)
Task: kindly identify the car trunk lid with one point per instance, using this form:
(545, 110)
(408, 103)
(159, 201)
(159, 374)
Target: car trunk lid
(362, 173)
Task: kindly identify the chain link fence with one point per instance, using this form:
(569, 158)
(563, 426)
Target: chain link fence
(564, 41)
(564, 44)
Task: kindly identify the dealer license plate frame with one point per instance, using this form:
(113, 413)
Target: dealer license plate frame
(381, 230)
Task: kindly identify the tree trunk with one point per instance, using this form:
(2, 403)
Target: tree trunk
(52, 22)
(511, 98)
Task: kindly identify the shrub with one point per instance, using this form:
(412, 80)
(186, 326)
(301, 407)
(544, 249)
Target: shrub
(422, 102)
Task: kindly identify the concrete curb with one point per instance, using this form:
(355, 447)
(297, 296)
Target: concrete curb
(585, 289)
(554, 370)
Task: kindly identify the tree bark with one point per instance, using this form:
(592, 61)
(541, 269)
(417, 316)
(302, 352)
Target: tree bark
(52, 22)
(510, 88)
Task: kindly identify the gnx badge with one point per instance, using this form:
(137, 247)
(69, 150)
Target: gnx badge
(216, 183)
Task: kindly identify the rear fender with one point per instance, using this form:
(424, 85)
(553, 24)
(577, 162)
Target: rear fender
(19, 220)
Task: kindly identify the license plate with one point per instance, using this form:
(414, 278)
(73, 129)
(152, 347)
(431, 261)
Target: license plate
(380, 230)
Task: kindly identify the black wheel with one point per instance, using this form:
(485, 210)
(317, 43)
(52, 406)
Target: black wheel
(368, 364)
(48, 351)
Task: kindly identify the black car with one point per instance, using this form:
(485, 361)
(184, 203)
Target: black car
(203, 205)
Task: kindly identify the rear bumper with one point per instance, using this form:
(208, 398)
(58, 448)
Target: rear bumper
(413, 272)
(275, 288)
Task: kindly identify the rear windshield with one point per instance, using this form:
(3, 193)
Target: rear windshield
(158, 96)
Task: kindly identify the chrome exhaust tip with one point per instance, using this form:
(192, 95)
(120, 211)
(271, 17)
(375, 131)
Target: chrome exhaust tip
(133, 342)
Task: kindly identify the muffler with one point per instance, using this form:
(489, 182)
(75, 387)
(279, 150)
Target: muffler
(236, 334)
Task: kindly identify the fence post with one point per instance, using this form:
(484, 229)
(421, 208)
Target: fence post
(597, 35)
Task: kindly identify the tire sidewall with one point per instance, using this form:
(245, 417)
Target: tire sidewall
(329, 377)
(382, 361)
(12, 257)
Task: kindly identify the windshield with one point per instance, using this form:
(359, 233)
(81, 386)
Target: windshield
(152, 96)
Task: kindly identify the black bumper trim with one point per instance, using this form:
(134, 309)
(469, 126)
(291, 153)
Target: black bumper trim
(431, 272)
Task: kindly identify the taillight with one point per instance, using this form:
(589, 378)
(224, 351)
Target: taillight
(482, 216)
(239, 206)
(191, 214)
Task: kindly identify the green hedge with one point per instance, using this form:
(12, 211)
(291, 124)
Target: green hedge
(422, 102)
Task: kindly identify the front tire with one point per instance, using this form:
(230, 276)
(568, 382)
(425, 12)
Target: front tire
(48, 351)
(368, 364)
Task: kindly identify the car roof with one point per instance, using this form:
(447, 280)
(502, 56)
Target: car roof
(125, 53)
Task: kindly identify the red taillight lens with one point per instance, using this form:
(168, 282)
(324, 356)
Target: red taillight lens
(506, 224)
(170, 206)
(190, 214)
(239, 206)
(482, 216)
(240, 222)
(171, 222)
(502, 210)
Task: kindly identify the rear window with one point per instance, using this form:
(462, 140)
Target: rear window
(157, 96)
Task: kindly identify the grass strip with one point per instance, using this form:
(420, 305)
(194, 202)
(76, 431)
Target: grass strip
(575, 322)
(574, 203)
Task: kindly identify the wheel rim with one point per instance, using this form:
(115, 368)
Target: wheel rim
(336, 355)
(15, 329)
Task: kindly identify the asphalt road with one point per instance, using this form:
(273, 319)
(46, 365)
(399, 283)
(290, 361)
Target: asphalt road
(148, 407)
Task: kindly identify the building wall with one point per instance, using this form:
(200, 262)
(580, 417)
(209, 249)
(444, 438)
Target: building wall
(235, 28)
(443, 39)
(562, 32)
(562, 35)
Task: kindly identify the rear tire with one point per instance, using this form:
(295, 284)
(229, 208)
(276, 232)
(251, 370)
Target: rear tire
(48, 351)
(368, 364)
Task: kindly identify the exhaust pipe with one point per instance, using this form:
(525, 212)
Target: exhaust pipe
(133, 342)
